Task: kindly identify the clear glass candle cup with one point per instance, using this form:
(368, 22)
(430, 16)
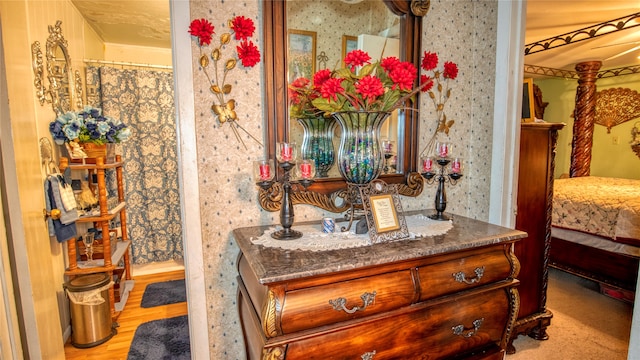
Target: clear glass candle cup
(286, 152)
(387, 146)
(443, 149)
(263, 170)
(456, 166)
(427, 165)
(305, 170)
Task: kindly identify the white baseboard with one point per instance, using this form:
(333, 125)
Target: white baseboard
(158, 267)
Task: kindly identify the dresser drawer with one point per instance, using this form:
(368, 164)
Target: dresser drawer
(333, 303)
(463, 273)
(462, 325)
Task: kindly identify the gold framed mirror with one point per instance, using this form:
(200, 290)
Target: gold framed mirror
(328, 193)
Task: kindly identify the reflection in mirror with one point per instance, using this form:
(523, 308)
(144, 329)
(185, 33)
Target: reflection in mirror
(328, 192)
(334, 28)
(58, 70)
(59, 77)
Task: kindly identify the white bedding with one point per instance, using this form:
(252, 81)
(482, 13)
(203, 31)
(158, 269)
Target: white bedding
(607, 207)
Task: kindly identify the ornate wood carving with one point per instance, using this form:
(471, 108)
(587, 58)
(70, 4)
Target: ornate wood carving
(616, 106)
(270, 313)
(539, 105)
(553, 135)
(584, 118)
(420, 7)
(276, 353)
(514, 309)
(336, 202)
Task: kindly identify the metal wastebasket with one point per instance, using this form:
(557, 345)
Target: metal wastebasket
(91, 323)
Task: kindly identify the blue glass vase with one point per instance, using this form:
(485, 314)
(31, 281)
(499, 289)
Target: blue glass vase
(360, 158)
(317, 142)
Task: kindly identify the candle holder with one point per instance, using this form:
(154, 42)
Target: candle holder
(387, 151)
(444, 173)
(304, 173)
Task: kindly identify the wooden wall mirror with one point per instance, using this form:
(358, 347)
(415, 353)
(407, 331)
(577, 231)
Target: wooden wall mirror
(326, 192)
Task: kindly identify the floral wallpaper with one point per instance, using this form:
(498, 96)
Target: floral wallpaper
(460, 31)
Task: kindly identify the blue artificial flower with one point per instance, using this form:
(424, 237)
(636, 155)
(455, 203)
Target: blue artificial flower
(88, 125)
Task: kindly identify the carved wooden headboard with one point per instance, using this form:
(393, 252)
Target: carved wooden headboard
(616, 106)
(608, 107)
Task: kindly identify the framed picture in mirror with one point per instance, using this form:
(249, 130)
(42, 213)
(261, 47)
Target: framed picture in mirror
(349, 43)
(528, 110)
(302, 54)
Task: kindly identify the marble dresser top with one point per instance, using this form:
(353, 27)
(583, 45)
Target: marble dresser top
(271, 264)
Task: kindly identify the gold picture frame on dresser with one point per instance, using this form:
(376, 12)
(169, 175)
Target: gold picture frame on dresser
(383, 212)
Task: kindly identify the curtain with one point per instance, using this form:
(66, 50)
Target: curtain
(143, 99)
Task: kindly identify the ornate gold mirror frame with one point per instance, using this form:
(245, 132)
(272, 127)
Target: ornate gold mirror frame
(65, 87)
(330, 194)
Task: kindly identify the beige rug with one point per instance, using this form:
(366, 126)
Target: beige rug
(586, 325)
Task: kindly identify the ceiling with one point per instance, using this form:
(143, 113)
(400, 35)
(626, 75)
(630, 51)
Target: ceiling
(146, 23)
(130, 22)
(547, 19)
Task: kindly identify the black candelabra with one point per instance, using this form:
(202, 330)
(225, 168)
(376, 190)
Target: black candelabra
(264, 178)
(444, 173)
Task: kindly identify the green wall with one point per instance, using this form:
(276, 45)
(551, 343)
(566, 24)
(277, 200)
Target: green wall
(608, 159)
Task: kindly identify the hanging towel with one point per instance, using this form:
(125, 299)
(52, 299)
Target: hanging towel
(65, 228)
(66, 216)
(67, 195)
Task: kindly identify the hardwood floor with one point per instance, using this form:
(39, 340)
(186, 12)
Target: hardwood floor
(131, 316)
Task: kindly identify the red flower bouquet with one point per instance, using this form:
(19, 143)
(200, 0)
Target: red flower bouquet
(384, 85)
(441, 81)
(247, 53)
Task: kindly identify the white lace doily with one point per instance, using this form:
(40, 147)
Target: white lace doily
(314, 239)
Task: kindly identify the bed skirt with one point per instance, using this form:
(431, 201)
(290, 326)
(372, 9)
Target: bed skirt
(595, 258)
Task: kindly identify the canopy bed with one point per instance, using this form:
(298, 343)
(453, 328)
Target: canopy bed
(605, 259)
(596, 229)
(596, 221)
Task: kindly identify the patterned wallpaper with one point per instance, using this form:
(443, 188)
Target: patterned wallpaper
(459, 31)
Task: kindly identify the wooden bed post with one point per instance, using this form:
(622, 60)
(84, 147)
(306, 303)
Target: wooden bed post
(585, 118)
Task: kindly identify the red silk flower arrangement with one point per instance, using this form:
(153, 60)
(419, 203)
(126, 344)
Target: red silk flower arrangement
(441, 81)
(384, 85)
(242, 29)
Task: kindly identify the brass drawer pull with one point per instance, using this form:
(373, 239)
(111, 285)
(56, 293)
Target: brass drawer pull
(368, 355)
(460, 330)
(340, 303)
(460, 277)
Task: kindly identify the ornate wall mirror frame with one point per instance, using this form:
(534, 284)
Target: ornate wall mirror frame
(329, 193)
(64, 92)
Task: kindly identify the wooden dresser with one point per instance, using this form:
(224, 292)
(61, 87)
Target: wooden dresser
(447, 296)
(535, 194)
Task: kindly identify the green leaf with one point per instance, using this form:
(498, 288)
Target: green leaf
(366, 70)
(343, 73)
(326, 105)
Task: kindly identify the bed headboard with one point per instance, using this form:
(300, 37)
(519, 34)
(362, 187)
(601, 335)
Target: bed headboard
(616, 106)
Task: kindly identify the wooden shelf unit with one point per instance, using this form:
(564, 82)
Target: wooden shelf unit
(103, 222)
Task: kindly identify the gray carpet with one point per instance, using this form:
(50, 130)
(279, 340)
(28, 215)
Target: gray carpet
(164, 293)
(586, 325)
(165, 339)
